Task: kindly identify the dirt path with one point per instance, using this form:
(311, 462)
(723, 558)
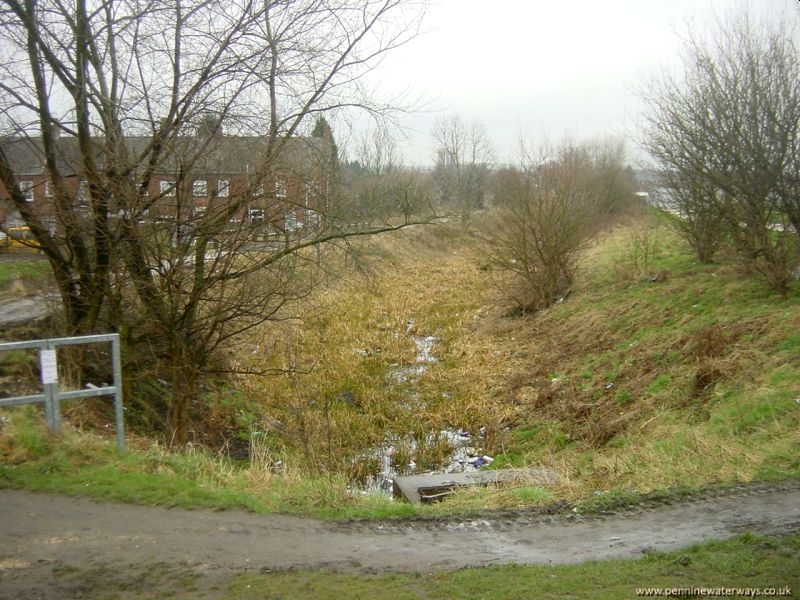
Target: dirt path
(38, 531)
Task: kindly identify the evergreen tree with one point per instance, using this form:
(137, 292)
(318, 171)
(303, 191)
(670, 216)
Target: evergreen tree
(322, 129)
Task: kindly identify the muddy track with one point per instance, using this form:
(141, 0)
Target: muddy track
(565, 512)
(38, 531)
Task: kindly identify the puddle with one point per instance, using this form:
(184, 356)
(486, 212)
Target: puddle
(406, 374)
(8, 564)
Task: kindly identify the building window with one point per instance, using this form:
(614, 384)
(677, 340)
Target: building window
(259, 191)
(256, 215)
(166, 187)
(200, 188)
(26, 187)
(48, 189)
(83, 192)
(292, 222)
(223, 188)
(312, 218)
(280, 189)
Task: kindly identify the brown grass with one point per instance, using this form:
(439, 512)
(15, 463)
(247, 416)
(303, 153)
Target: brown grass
(631, 379)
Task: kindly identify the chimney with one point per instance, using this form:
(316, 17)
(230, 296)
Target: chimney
(210, 126)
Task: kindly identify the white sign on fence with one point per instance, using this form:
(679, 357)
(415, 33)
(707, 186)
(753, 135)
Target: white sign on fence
(47, 358)
(52, 396)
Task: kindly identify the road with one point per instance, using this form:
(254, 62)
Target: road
(16, 311)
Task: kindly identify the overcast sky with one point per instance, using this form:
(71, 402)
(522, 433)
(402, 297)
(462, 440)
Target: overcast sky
(543, 67)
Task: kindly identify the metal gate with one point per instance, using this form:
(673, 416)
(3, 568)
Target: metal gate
(52, 396)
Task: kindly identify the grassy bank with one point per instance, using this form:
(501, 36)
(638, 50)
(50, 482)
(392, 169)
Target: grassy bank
(655, 373)
(18, 273)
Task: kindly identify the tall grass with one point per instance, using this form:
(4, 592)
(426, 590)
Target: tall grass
(634, 382)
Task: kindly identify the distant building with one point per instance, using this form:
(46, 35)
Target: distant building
(655, 191)
(291, 193)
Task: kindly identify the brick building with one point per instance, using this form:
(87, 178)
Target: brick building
(289, 194)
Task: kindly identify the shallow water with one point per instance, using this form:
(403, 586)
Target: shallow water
(465, 451)
(464, 457)
(424, 359)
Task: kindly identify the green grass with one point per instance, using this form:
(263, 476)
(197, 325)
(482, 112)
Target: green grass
(107, 482)
(790, 344)
(659, 384)
(83, 464)
(531, 495)
(745, 562)
(691, 381)
(126, 480)
(686, 381)
(12, 270)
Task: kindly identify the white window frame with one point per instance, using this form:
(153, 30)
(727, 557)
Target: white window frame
(83, 192)
(200, 188)
(280, 189)
(223, 188)
(48, 189)
(166, 187)
(255, 215)
(312, 218)
(26, 188)
(291, 222)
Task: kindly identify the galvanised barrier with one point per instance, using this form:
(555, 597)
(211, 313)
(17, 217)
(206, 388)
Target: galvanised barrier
(52, 396)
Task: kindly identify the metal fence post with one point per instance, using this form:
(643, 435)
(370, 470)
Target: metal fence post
(47, 394)
(51, 392)
(47, 391)
(116, 358)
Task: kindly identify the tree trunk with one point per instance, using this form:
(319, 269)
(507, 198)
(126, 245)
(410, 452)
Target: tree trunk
(183, 387)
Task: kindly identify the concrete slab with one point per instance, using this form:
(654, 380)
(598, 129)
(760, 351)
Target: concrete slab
(430, 487)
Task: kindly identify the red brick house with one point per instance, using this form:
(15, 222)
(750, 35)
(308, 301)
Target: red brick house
(290, 195)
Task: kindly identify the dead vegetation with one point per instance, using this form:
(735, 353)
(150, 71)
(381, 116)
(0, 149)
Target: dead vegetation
(635, 383)
(622, 370)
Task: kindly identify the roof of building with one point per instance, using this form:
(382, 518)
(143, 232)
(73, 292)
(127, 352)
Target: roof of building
(215, 155)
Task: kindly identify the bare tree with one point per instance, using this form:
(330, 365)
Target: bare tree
(127, 103)
(379, 185)
(613, 179)
(693, 203)
(463, 159)
(545, 214)
(727, 136)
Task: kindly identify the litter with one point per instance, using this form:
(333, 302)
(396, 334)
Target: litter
(480, 461)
